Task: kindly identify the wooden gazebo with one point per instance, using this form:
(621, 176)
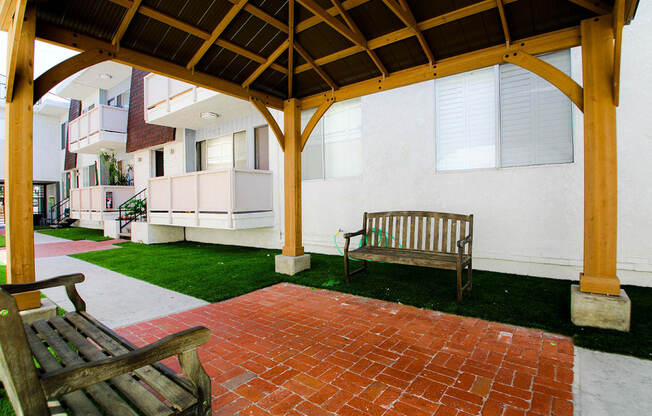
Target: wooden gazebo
(297, 54)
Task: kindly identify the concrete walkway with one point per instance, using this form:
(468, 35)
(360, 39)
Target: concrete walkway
(113, 298)
(611, 384)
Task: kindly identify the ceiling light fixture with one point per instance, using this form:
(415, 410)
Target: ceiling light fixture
(105, 75)
(207, 115)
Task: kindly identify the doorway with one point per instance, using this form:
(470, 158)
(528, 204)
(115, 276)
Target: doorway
(159, 169)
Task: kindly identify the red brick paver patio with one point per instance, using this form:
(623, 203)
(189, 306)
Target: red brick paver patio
(73, 247)
(293, 350)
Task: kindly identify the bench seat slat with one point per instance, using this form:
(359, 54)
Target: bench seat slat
(408, 257)
(102, 393)
(177, 396)
(142, 398)
(76, 401)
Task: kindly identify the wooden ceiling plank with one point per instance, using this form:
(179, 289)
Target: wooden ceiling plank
(197, 32)
(405, 33)
(126, 20)
(596, 6)
(549, 42)
(503, 21)
(315, 20)
(305, 55)
(354, 27)
(80, 42)
(13, 42)
(221, 26)
(331, 21)
(273, 57)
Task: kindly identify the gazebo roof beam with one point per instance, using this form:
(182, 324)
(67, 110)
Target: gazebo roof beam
(354, 27)
(195, 31)
(290, 46)
(13, 44)
(305, 55)
(81, 42)
(315, 20)
(273, 57)
(405, 33)
(331, 21)
(503, 21)
(596, 6)
(561, 39)
(221, 26)
(403, 12)
(128, 17)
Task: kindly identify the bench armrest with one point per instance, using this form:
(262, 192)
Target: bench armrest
(468, 240)
(68, 280)
(79, 376)
(349, 235)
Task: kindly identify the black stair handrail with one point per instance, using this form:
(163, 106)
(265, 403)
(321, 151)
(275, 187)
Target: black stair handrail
(122, 208)
(61, 213)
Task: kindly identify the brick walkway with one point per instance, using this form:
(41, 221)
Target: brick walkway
(72, 247)
(292, 350)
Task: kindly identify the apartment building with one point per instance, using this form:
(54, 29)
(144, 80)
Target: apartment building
(48, 154)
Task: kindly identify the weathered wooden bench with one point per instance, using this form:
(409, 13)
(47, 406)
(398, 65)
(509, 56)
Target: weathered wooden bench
(76, 365)
(416, 238)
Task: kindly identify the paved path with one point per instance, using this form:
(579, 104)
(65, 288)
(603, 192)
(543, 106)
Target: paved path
(72, 247)
(290, 349)
(111, 297)
(611, 384)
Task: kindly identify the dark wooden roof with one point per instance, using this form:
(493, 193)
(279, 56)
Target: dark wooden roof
(262, 25)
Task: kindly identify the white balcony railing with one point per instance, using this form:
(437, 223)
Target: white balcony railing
(103, 127)
(92, 202)
(164, 95)
(227, 199)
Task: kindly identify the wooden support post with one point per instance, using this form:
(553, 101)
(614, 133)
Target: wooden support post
(19, 229)
(292, 172)
(600, 160)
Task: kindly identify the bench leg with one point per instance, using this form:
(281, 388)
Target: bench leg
(347, 273)
(469, 269)
(459, 282)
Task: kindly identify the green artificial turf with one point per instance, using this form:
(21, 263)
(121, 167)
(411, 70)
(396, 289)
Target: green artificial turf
(5, 405)
(2, 240)
(217, 272)
(76, 233)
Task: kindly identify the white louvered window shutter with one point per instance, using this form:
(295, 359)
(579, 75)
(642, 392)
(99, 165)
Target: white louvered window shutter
(466, 120)
(536, 125)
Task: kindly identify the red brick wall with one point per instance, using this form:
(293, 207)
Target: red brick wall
(141, 135)
(74, 111)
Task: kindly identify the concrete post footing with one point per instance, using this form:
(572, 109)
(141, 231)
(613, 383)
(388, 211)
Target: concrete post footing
(47, 310)
(600, 311)
(291, 265)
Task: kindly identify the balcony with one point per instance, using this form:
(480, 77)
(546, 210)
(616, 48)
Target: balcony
(173, 103)
(224, 199)
(102, 128)
(96, 203)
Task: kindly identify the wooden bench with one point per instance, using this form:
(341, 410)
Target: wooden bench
(75, 365)
(416, 238)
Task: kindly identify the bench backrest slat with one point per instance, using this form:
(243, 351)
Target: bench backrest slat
(418, 230)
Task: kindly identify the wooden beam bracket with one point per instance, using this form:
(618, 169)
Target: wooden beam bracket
(321, 110)
(538, 66)
(271, 121)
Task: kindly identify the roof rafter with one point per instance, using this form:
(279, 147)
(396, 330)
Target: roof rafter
(403, 12)
(315, 20)
(305, 55)
(549, 42)
(195, 31)
(264, 16)
(331, 21)
(80, 42)
(503, 21)
(351, 24)
(596, 6)
(124, 24)
(273, 57)
(221, 26)
(405, 33)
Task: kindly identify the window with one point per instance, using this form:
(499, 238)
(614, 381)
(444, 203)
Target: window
(261, 146)
(334, 148)
(223, 152)
(503, 116)
(64, 134)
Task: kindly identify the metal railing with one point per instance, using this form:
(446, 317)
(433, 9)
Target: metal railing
(59, 211)
(133, 209)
